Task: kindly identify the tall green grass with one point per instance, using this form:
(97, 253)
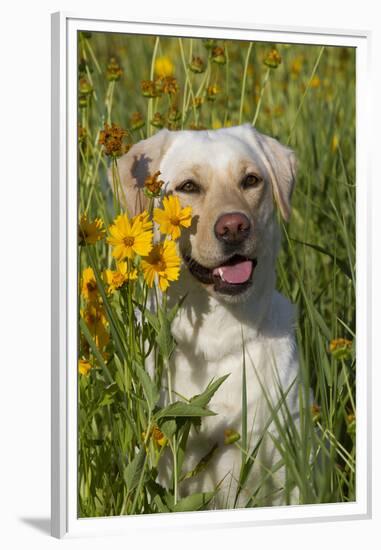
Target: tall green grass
(307, 102)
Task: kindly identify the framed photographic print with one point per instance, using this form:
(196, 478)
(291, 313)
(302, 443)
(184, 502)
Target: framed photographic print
(210, 275)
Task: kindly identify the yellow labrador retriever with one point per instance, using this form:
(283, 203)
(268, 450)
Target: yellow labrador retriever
(231, 177)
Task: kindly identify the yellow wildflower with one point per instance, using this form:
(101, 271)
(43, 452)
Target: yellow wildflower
(84, 366)
(216, 124)
(341, 348)
(116, 279)
(163, 66)
(89, 285)
(90, 232)
(334, 143)
(211, 92)
(316, 412)
(95, 319)
(158, 436)
(315, 82)
(130, 237)
(297, 65)
(144, 219)
(172, 217)
(162, 263)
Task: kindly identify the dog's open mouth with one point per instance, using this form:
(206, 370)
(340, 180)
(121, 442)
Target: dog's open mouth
(231, 277)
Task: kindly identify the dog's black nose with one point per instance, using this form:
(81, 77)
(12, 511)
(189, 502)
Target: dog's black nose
(232, 228)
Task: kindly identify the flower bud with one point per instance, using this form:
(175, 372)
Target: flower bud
(209, 43)
(197, 65)
(212, 92)
(174, 114)
(114, 70)
(218, 55)
(158, 120)
(136, 121)
(84, 87)
(272, 59)
(231, 436)
(341, 348)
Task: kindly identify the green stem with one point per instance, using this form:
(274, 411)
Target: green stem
(152, 74)
(187, 82)
(267, 76)
(305, 93)
(175, 475)
(244, 81)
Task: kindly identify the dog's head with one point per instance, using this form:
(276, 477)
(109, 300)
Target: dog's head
(230, 177)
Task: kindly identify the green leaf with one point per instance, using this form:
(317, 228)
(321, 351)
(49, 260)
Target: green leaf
(183, 409)
(134, 469)
(164, 337)
(160, 504)
(168, 427)
(151, 392)
(108, 395)
(171, 314)
(203, 398)
(197, 501)
(202, 464)
(152, 319)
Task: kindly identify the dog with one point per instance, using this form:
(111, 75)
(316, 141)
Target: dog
(232, 321)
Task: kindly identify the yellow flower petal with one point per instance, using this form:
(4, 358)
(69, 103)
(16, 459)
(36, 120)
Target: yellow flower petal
(172, 216)
(130, 237)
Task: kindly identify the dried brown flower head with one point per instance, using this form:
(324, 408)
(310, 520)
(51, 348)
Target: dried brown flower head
(153, 185)
(196, 126)
(82, 134)
(111, 138)
(149, 88)
(167, 85)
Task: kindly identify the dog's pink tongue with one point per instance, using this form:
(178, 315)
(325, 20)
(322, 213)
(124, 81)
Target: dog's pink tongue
(235, 274)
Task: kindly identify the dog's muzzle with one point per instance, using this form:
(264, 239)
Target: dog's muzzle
(231, 277)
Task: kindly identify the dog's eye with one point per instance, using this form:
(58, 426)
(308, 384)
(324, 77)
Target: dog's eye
(188, 186)
(250, 180)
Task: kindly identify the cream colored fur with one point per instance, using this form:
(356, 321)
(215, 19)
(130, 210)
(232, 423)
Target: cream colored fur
(210, 328)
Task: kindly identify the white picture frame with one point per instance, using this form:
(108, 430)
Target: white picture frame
(64, 278)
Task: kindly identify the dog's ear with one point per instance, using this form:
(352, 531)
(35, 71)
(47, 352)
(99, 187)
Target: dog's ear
(280, 163)
(141, 161)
